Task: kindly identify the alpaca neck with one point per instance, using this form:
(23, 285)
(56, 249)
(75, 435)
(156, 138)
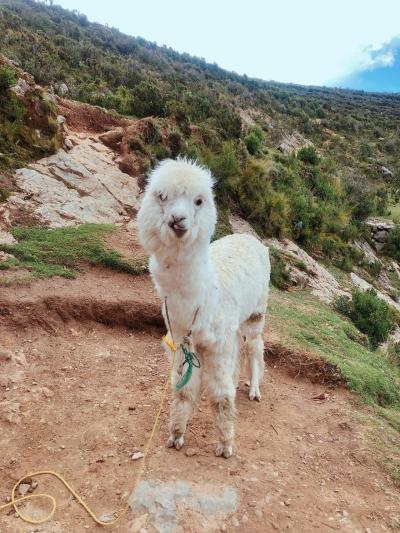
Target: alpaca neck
(186, 277)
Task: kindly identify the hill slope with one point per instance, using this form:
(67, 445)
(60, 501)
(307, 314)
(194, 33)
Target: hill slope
(248, 131)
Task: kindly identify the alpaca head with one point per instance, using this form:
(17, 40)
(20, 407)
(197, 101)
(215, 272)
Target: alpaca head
(178, 206)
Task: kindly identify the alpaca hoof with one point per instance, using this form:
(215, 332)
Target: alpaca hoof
(176, 442)
(254, 394)
(224, 451)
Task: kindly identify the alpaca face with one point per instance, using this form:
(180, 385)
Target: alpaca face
(178, 206)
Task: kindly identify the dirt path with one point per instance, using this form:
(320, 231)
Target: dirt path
(79, 396)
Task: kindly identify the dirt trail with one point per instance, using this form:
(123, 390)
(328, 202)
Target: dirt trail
(79, 396)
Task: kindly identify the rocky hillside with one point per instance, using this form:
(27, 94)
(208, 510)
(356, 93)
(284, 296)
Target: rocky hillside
(310, 164)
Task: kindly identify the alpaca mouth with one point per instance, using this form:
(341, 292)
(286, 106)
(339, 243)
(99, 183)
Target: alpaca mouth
(178, 230)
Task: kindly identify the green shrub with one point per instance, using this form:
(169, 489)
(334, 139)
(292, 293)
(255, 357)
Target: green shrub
(4, 194)
(254, 140)
(308, 154)
(148, 100)
(392, 246)
(7, 78)
(370, 315)
(280, 276)
(175, 143)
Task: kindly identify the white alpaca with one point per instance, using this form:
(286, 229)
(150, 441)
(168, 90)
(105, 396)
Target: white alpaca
(227, 282)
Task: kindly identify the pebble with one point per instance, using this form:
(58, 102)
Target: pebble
(190, 452)
(245, 518)
(137, 455)
(235, 522)
(23, 489)
(258, 513)
(223, 527)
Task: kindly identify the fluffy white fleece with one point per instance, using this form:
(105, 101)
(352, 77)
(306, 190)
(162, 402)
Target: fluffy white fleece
(226, 281)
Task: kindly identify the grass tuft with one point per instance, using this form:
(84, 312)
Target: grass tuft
(60, 252)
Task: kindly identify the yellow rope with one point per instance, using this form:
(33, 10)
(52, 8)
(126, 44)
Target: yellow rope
(15, 501)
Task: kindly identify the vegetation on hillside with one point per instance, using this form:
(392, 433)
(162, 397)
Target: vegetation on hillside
(28, 123)
(371, 315)
(233, 123)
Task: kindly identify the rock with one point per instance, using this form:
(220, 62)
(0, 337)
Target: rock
(381, 235)
(239, 225)
(20, 87)
(314, 275)
(235, 522)
(163, 501)
(23, 489)
(105, 517)
(60, 119)
(369, 253)
(386, 171)
(190, 452)
(62, 89)
(83, 185)
(47, 393)
(292, 143)
(6, 238)
(137, 455)
(112, 138)
(5, 355)
(10, 411)
(376, 224)
(68, 144)
(395, 267)
(4, 256)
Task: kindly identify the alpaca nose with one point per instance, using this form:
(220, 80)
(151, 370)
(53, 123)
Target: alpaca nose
(176, 220)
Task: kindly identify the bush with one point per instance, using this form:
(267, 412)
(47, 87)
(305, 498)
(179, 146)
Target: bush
(280, 276)
(254, 140)
(148, 100)
(308, 154)
(4, 194)
(7, 78)
(392, 246)
(370, 315)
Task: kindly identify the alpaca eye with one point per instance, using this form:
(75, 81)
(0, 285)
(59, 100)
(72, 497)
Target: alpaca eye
(199, 201)
(162, 197)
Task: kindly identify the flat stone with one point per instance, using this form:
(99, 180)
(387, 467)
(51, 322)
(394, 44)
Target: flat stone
(81, 185)
(163, 501)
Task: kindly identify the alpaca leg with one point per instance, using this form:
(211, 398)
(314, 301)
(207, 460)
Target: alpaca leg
(181, 410)
(254, 327)
(219, 378)
(256, 348)
(224, 413)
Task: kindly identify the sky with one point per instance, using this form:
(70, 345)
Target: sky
(342, 43)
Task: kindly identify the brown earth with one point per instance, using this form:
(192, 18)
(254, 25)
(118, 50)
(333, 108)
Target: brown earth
(82, 373)
(86, 118)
